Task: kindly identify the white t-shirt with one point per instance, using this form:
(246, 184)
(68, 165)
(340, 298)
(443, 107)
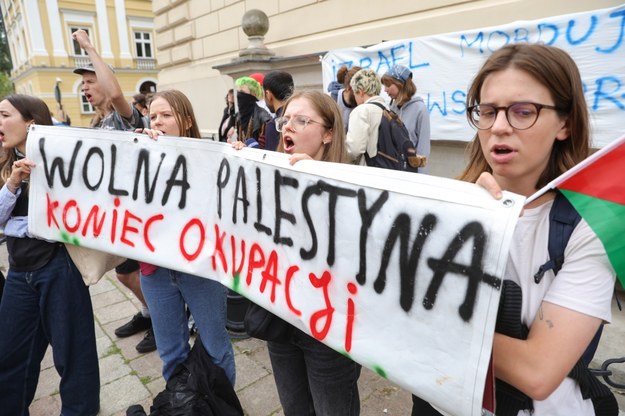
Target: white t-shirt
(584, 284)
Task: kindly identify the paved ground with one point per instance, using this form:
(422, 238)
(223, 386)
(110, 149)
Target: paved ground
(128, 377)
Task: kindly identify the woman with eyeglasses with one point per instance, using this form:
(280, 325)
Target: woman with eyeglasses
(168, 291)
(411, 108)
(312, 378)
(527, 104)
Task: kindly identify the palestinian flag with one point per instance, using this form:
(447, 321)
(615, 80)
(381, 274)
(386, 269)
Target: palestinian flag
(596, 188)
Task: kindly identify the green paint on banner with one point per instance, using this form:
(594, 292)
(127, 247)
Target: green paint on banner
(68, 238)
(606, 220)
(379, 370)
(236, 282)
(64, 237)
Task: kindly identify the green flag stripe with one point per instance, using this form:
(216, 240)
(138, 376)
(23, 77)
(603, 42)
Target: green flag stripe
(606, 220)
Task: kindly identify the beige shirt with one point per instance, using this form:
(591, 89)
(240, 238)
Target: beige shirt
(362, 137)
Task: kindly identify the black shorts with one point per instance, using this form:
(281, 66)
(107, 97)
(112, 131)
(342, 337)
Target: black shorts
(129, 266)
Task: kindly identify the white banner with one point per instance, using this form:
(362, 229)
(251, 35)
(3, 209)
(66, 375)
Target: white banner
(399, 271)
(443, 66)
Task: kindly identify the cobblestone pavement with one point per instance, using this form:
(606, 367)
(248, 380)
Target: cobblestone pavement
(128, 377)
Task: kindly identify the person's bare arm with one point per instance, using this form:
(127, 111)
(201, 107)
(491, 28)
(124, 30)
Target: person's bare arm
(106, 77)
(557, 339)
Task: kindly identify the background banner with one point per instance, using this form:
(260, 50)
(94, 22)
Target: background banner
(443, 66)
(397, 270)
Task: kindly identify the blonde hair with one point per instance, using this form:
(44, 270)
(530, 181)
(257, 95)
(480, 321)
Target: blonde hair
(367, 81)
(328, 110)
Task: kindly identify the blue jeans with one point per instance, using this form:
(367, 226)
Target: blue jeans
(166, 293)
(50, 305)
(313, 379)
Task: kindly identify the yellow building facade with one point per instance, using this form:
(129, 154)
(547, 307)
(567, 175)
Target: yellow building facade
(44, 54)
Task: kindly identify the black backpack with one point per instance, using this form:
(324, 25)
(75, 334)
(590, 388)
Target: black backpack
(395, 149)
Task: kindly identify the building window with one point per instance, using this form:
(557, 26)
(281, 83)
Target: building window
(85, 105)
(78, 51)
(143, 44)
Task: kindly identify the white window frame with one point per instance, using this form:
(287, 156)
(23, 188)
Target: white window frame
(73, 44)
(140, 44)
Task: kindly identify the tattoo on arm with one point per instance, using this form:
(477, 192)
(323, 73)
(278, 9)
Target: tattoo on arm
(542, 317)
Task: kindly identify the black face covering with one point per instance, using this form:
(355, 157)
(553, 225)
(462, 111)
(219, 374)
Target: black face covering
(247, 104)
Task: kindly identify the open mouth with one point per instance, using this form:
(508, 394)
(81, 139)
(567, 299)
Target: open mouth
(501, 150)
(288, 144)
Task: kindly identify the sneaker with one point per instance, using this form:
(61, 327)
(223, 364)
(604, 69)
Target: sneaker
(137, 324)
(148, 343)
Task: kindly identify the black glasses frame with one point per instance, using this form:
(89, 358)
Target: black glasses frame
(476, 108)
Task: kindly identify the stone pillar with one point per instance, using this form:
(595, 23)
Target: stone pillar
(255, 25)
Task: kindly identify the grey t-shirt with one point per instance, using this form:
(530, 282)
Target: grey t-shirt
(114, 121)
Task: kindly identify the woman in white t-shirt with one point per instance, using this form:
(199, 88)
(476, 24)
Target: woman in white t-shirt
(527, 104)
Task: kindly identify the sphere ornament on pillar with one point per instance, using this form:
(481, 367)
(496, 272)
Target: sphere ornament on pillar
(255, 25)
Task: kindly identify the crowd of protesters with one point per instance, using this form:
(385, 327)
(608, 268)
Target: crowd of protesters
(527, 106)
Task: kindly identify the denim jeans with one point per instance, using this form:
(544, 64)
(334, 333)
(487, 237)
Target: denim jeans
(166, 293)
(313, 379)
(50, 305)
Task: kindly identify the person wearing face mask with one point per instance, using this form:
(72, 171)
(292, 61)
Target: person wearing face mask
(45, 301)
(251, 118)
(167, 291)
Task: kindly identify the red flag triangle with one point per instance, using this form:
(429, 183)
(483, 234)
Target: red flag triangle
(604, 178)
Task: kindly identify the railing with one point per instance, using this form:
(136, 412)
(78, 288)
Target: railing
(80, 60)
(145, 63)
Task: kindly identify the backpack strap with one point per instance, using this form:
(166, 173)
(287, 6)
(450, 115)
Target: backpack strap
(563, 218)
(382, 106)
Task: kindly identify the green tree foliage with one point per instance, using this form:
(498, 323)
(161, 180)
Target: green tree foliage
(5, 55)
(6, 86)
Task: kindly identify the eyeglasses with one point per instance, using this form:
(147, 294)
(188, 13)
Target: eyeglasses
(520, 116)
(299, 122)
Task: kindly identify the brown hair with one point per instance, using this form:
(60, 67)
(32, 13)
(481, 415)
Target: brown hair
(406, 89)
(348, 76)
(557, 71)
(31, 109)
(329, 112)
(183, 110)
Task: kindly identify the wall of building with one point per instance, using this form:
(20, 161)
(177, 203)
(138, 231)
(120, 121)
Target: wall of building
(193, 37)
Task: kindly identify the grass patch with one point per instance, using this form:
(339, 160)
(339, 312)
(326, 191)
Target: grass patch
(145, 380)
(113, 349)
